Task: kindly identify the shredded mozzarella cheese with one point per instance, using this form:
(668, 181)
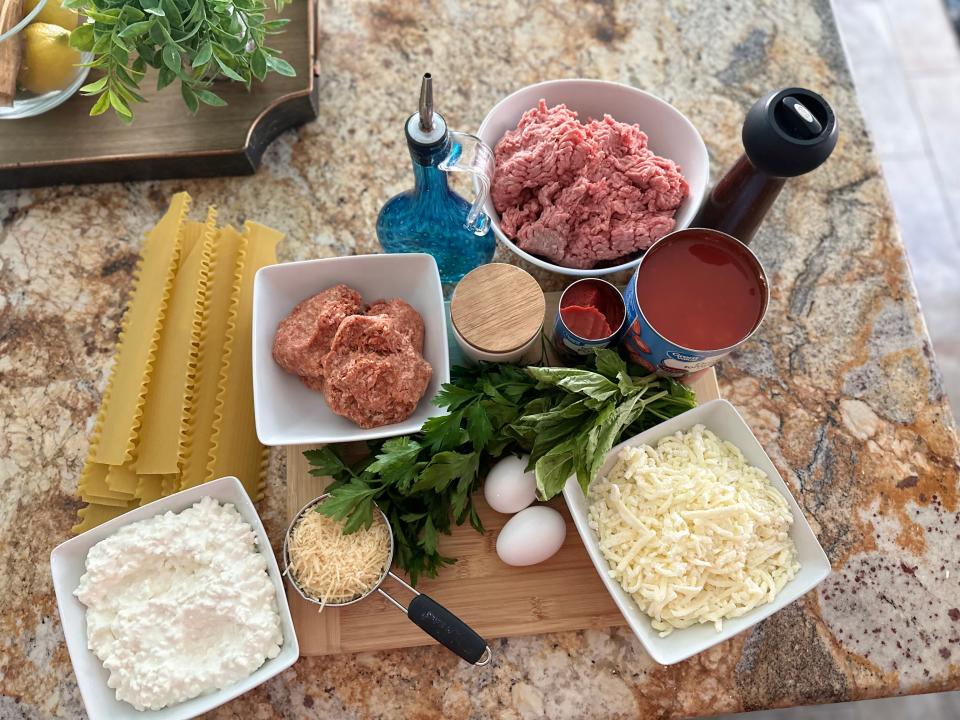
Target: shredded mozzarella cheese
(333, 567)
(691, 531)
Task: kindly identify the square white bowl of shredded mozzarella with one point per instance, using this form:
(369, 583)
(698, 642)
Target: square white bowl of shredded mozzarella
(694, 532)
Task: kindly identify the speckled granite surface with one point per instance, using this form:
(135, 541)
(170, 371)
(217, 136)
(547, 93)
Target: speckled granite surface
(840, 385)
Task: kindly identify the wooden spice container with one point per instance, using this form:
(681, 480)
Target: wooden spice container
(497, 313)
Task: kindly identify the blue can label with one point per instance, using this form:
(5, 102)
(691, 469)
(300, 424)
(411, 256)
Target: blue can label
(650, 350)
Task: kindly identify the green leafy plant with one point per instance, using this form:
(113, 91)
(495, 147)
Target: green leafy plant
(566, 419)
(193, 41)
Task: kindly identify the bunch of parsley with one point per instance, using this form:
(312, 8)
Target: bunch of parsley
(566, 419)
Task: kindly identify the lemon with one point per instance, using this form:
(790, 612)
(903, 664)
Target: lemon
(53, 13)
(48, 62)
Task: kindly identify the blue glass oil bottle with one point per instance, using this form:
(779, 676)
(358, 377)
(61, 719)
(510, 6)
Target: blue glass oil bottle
(431, 217)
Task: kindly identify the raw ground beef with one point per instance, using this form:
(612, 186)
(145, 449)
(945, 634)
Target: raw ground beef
(373, 374)
(305, 335)
(581, 194)
(407, 318)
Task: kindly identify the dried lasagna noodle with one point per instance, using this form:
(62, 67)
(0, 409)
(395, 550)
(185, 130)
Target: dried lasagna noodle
(178, 409)
(123, 400)
(167, 409)
(234, 448)
(223, 290)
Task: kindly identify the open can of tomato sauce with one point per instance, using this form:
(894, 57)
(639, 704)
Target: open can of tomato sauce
(591, 315)
(696, 295)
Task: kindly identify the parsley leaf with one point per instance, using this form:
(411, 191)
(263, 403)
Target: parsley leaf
(479, 428)
(325, 461)
(453, 396)
(443, 432)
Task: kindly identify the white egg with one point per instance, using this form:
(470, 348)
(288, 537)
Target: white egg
(531, 536)
(508, 489)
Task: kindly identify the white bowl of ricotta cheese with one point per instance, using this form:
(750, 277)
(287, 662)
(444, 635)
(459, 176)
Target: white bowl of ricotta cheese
(157, 594)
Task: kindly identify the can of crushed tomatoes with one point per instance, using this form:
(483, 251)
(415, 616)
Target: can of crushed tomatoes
(696, 295)
(591, 315)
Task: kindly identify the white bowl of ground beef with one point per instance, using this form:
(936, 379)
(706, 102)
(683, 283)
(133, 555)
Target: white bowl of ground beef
(586, 196)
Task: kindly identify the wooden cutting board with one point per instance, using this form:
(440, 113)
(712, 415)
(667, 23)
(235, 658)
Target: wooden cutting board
(66, 145)
(563, 593)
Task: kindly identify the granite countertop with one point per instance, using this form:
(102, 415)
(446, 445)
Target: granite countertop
(840, 385)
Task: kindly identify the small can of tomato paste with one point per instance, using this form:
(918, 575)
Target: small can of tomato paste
(696, 295)
(591, 315)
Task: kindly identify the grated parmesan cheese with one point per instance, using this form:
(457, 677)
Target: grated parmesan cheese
(333, 567)
(691, 531)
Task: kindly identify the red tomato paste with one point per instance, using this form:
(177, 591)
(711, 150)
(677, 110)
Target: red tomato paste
(586, 321)
(592, 309)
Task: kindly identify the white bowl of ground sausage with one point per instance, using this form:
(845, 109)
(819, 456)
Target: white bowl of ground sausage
(68, 565)
(670, 133)
(289, 413)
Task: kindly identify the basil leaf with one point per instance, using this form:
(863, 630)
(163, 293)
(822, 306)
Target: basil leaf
(609, 363)
(584, 382)
(608, 432)
(555, 468)
(546, 438)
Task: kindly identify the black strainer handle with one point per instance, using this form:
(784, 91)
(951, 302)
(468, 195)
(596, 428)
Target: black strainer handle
(447, 629)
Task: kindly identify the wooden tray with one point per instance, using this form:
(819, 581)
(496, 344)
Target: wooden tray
(65, 145)
(563, 593)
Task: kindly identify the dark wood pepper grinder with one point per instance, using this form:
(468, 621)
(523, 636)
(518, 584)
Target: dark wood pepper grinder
(786, 133)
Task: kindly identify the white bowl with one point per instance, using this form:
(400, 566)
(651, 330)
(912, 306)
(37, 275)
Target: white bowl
(671, 135)
(289, 413)
(723, 419)
(25, 104)
(67, 562)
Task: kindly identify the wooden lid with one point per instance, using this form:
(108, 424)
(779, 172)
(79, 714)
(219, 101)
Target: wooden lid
(497, 307)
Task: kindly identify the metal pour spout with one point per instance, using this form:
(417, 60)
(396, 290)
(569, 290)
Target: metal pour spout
(425, 106)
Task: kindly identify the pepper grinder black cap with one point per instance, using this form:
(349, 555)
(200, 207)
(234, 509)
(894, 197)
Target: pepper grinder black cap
(789, 132)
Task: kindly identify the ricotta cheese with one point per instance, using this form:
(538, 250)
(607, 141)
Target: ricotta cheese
(691, 531)
(180, 605)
